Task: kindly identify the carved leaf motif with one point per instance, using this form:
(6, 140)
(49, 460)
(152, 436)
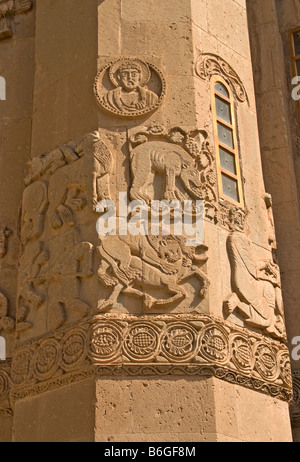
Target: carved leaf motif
(209, 64)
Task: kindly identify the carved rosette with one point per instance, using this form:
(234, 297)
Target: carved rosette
(149, 346)
(209, 64)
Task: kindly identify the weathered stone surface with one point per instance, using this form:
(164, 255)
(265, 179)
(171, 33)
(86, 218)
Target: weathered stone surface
(141, 336)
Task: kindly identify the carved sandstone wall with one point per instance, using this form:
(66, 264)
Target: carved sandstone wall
(117, 319)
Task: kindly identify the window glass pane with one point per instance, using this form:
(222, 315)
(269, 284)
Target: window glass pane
(298, 67)
(297, 43)
(223, 110)
(220, 88)
(225, 135)
(227, 161)
(230, 188)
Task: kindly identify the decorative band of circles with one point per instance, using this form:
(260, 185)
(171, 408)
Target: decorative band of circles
(107, 342)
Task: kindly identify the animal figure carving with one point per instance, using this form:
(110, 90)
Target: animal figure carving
(73, 184)
(170, 161)
(134, 264)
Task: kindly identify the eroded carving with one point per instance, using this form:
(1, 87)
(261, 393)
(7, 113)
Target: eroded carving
(256, 287)
(34, 207)
(8, 9)
(4, 235)
(139, 87)
(7, 323)
(209, 64)
(34, 267)
(63, 188)
(73, 263)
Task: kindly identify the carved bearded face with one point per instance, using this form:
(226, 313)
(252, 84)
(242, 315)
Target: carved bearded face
(129, 78)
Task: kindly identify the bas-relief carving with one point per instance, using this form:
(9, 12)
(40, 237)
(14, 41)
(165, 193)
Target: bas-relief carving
(72, 264)
(256, 285)
(151, 346)
(165, 164)
(63, 188)
(179, 162)
(7, 323)
(209, 64)
(8, 9)
(134, 265)
(137, 266)
(130, 88)
(5, 233)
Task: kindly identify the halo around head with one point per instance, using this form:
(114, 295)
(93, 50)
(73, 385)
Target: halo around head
(130, 64)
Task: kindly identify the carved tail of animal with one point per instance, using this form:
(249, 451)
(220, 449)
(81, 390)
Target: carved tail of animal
(121, 275)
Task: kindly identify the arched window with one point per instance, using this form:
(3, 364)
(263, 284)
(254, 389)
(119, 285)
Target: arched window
(228, 165)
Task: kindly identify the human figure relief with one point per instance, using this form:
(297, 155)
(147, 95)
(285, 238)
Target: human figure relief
(131, 95)
(83, 181)
(73, 264)
(34, 207)
(256, 286)
(34, 267)
(134, 264)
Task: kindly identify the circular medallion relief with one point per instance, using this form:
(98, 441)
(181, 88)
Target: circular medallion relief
(180, 342)
(130, 88)
(46, 359)
(105, 342)
(141, 342)
(266, 362)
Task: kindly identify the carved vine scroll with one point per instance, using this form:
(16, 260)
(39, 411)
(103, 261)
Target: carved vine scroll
(209, 64)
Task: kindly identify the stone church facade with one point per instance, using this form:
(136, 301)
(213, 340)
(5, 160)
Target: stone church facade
(137, 335)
